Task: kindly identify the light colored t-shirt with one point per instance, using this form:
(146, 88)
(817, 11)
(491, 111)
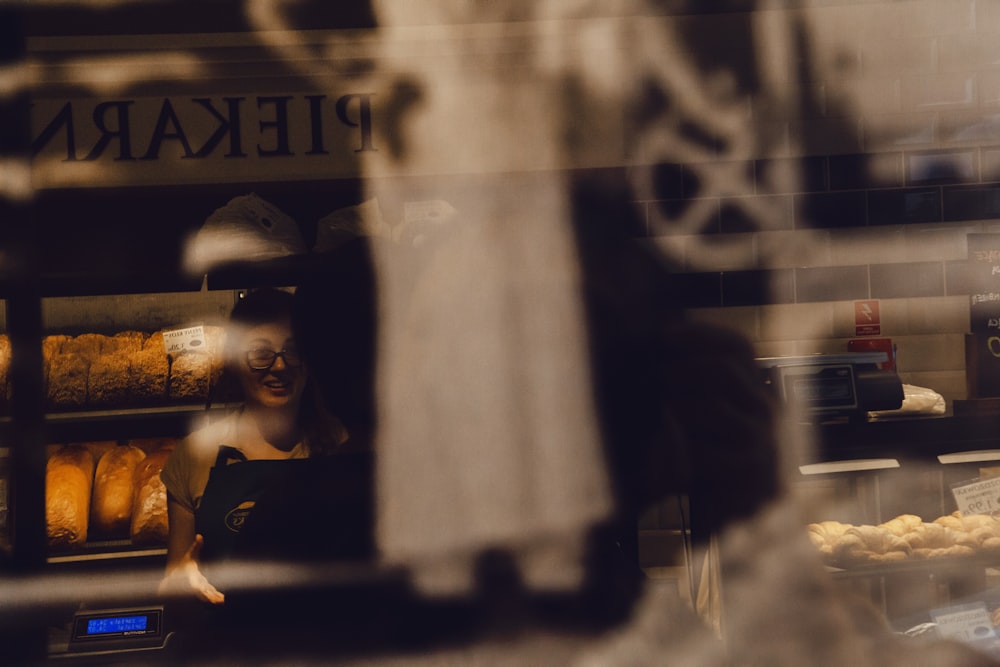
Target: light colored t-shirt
(186, 471)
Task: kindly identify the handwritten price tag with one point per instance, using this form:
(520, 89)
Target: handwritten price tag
(978, 497)
(180, 340)
(966, 623)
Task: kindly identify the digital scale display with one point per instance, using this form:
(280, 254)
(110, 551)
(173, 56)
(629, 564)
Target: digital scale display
(821, 387)
(116, 625)
(834, 384)
(122, 628)
(831, 387)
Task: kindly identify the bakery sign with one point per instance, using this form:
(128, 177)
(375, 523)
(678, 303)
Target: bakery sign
(225, 138)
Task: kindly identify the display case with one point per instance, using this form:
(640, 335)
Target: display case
(124, 378)
(129, 355)
(903, 514)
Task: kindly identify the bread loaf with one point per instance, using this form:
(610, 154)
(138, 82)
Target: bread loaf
(69, 477)
(67, 381)
(149, 515)
(149, 445)
(5, 357)
(129, 369)
(87, 345)
(114, 490)
(98, 447)
(189, 376)
(215, 338)
(109, 382)
(124, 343)
(52, 345)
(149, 369)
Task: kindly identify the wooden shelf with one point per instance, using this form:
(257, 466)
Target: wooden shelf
(118, 553)
(91, 425)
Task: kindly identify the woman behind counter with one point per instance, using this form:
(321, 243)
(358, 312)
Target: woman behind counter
(218, 474)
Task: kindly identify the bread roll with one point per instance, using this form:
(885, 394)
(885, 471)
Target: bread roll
(149, 514)
(824, 535)
(69, 477)
(114, 490)
(979, 531)
(932, 536)
(903, 524)
(943, 552)
(869, 544)
(937, 540)
(953, 521)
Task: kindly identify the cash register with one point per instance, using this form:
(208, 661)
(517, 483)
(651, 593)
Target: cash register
(832, 386)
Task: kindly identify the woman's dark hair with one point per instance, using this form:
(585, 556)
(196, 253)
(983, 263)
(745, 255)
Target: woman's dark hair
(257, 307)
(335, 329)
(320, 429)
(263, 305)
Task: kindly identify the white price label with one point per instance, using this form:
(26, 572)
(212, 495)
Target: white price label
(180, 340)
(978, 497)
(967, 622)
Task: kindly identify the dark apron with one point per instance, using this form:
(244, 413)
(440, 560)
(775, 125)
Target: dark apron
(308, 510)
(230, 494)
(313, 508)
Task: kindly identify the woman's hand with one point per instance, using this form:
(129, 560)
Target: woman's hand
(186, 578)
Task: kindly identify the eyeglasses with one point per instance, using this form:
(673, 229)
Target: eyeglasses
(262, 359)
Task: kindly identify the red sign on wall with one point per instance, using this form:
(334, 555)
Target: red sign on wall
(867, 321)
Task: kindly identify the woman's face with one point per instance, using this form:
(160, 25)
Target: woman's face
(282, 383)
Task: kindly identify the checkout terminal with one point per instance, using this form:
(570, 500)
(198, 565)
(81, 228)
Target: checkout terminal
(834, 386)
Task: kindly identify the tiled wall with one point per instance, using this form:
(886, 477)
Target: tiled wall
(898, 156)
